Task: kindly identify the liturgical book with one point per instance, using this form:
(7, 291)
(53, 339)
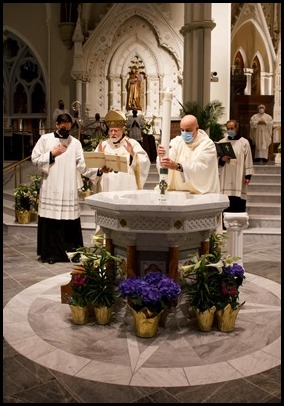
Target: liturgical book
(225, 148)
(118, 163)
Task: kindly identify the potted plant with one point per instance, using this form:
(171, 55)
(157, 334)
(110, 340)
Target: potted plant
(229, 279)
(77, 299)
(147, 298)
(24, 202)
(211, 282)
(35, 187)
(102, 273)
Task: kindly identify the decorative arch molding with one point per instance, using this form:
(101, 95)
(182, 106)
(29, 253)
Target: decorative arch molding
(104, 34)
(107, 55)
(253, 13)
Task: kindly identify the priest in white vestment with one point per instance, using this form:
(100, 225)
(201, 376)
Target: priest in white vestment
(235, 174)
(192, 160)
(119, 144)
(60, 159)
(261, 126)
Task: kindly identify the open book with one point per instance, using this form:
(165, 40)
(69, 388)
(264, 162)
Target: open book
(225, 148)
(118, 163)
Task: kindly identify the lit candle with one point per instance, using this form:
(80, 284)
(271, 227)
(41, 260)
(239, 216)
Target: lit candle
(166, 120)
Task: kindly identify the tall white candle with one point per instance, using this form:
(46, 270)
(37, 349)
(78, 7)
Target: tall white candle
(166, 119)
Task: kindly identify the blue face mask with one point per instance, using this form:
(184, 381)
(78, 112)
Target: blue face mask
(231, 133)
(187, 137)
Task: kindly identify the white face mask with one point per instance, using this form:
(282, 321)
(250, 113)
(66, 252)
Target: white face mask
(261, 111)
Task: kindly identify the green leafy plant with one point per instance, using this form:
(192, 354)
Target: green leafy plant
(24, 197)
(102, 273)
(212, 279)
(35, 186)
(207, 116)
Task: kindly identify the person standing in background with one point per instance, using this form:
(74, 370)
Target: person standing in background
(235, 174)
(134, 126)
(60, 159)
(119, 144)
(261, 125)
(60, 110)
(192, 160)
(99, 126)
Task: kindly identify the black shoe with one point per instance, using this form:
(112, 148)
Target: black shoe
(51, 261)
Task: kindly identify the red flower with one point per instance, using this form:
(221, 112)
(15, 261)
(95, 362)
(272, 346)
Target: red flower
(224, 289)
(233, 291)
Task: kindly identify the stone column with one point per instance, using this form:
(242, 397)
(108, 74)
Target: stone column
(197, 52)
(235, 223)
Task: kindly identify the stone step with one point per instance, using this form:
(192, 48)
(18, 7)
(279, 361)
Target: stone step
(259, 221)
(264, 187)
(266, 169)
(266, 178)
(264, 198)
(263, 209)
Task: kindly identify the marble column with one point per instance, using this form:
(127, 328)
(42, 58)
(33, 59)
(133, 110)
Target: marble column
(197, 52)
(235, 223)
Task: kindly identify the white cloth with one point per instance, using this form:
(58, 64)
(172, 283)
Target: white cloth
(137, 172)
(261, 134)
(233, 173)
(61, 179)
(200, 165)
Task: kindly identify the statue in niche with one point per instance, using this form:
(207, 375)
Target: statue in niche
(133, 87)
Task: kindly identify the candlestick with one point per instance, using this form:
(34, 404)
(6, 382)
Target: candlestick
(165, 141)
(166, 120)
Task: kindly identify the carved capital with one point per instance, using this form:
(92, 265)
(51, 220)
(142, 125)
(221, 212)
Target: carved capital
(236, 221)
(196, 25)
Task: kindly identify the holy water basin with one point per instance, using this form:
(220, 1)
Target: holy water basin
(147, 230)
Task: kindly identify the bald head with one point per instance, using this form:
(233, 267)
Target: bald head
(189, 123)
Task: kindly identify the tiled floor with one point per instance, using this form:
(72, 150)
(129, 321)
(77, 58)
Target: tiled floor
(181, 365)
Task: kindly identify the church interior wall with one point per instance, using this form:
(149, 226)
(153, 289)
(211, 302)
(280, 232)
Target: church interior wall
(158, 41)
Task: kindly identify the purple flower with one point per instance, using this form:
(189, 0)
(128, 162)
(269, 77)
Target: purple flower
(154, 288)
(234, 270)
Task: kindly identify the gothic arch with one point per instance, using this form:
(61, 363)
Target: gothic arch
(108, 52)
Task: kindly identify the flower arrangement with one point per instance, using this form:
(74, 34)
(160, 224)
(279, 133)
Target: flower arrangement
(148, 126)
(153, 293)
(79, 289)
(212, 279)
(97, 274)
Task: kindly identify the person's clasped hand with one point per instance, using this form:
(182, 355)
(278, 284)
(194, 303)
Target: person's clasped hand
(58, 150)
(226, 158)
